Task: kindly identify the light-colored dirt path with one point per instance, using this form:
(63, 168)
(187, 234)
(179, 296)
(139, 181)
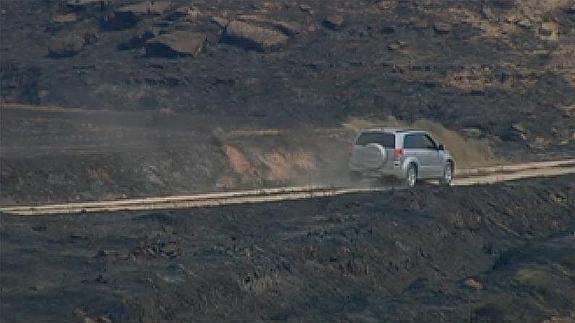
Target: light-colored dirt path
(465, 177)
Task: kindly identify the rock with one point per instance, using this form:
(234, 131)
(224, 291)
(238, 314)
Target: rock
(383, 5)
(471, 132)
(442, 28)
(90, 38)
(518, 127)
(305, 8)
(539, 143)
(137, 41)
(334, 22)
(65, 46)
(473, 283)
(83, 4)
(420, 24)
(568, 111)
(513, 135)
(290, 29)
(488, 14)
(212, 31)
(511, 19)
(129, 15)
(570, 10)
(388, 29)
(147, 8)
(524, 23)
(220, 22)
(503, 4)
(397, 45)
(185, 12)
(179, 43)
(65, 19)
(251, 36)
(549, 31)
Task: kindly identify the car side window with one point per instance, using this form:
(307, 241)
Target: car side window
(427, 142)
(410, 141)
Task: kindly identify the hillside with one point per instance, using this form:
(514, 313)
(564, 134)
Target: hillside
(496, 69)
(501, 253)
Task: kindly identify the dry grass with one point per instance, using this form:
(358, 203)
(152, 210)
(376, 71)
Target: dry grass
(238, 161)
(275, 165)
(477, 78)
(534, 277)
(284, 165)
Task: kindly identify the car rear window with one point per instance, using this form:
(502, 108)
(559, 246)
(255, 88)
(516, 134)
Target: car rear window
(386, 140)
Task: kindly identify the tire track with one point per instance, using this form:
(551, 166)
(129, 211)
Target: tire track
(464, 177)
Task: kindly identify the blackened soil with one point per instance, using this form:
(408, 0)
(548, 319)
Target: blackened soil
(490, 70)
(487, 253)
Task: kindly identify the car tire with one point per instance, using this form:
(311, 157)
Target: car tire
(411, 176)
(447, 177)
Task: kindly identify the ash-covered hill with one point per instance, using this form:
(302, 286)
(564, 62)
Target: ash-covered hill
(499, 69)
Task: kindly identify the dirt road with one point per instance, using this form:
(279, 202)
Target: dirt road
(465, 177)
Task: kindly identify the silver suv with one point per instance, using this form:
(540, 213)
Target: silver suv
(409, 155)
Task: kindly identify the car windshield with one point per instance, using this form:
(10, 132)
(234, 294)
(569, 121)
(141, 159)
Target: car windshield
(386, 140)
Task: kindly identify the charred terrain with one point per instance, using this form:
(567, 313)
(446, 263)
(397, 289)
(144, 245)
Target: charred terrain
(479, 254)
(168, 73)
(108, 99)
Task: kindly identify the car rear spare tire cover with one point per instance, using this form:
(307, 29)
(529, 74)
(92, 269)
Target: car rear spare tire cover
(371, 156)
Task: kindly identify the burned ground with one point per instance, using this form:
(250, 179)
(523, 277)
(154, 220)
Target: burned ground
(502, 72)
(176, 77)
(181, 96)
(488, 253)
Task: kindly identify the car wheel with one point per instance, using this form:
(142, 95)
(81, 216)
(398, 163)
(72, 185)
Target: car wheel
(411, 177)
(447, 175)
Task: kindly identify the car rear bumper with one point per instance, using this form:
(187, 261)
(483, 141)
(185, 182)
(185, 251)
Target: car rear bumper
(394, 170)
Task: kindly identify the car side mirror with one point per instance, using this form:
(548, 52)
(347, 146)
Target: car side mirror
(440, 147)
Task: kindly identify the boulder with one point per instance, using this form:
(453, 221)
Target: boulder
(65, 46)
(290, 29)
(396, 45)
(90, 38)
(146, 8)
(65, 18)
(129, 15)
(473, 283)
(549, 31)
(488, 14)
(220, 22)
(136, 41)
(334, 22)
(251, 36)
(442, 28)
(83, 4)
(176, 44)
(388, 28)
(514, 133)
(518, 127)
(212, 31)
(502, 4)
(471, 132)
(306, 8)
(185, 12)
(524, 23)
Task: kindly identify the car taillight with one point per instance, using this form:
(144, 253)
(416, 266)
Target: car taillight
(398, 153)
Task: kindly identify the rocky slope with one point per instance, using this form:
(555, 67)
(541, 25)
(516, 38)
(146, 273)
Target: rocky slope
(496, 69)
